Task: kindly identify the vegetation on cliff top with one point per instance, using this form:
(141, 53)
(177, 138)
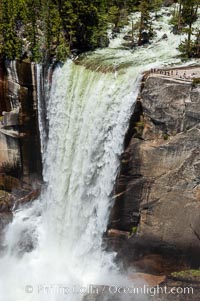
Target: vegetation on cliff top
(41, 30)
(184, 19)
(187, 275)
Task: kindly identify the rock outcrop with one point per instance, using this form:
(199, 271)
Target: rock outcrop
(158, 187)
(20, 158)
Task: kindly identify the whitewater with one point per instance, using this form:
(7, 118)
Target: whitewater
(56, 242)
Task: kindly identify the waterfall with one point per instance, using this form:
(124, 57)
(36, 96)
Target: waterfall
(57, 241)
(40, 107)
(87, 116)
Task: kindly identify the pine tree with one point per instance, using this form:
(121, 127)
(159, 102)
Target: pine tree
(189, 14)
(12, 44)
(145, 19)
(42, 30)
(1, 29)
(156, 5)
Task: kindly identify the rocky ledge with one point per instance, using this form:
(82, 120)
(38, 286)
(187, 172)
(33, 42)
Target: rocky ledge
(157, 193)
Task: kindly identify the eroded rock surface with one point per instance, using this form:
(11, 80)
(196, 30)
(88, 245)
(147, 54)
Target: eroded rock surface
(158, 187)
(20, 159)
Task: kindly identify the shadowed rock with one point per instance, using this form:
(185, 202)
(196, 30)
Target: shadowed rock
(20, 158)
(158, 187)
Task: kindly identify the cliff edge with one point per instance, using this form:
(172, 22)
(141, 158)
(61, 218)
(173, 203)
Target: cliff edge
(157, 193)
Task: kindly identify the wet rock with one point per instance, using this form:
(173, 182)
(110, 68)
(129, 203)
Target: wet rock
(145, 38)
(103, 41)
(116, 30)
(128, 38)
(101, 293)
(177, 291)
(20, 157)
(5, 219)
(8, 183)
(148, 279)
(28, 197)
(147, 287)
(114, 293)
(175, 30)
(6, 201)
(164, 37)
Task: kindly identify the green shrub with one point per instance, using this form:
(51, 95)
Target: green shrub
(193, 275)
(139, 127)
(133, 230)
(165, 136)
(196, 81)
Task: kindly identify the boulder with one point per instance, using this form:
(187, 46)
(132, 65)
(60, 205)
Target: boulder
(164, 37)
(145, 38)
(128, 38)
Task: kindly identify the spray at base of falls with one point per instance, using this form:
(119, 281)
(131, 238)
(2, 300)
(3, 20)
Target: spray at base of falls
(88, 113)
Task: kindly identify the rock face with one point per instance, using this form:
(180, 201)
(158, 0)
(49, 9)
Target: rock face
(20, 159)
(158, 187)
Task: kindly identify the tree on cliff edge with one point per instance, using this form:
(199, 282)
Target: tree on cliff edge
(189, 14)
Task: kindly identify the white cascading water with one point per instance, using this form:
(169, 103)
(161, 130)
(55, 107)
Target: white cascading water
(88, 113)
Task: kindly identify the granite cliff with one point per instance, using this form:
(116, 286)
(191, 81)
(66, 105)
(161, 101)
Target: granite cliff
(157, 193)
(20, 159)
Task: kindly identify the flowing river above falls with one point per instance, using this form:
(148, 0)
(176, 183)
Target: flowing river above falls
(88, 111)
